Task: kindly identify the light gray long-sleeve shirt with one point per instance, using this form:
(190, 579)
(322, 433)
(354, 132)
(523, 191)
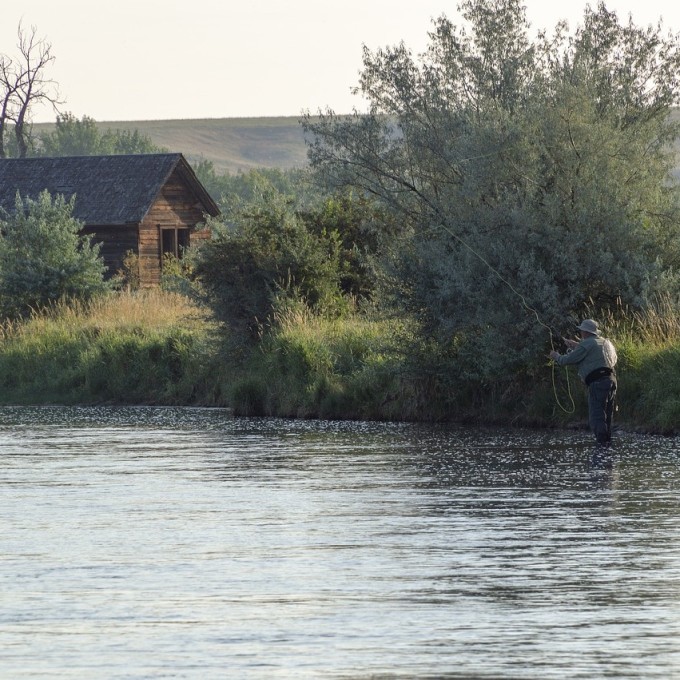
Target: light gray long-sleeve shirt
(591, 353)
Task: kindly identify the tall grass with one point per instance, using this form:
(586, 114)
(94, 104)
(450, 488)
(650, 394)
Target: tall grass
(157, 347)
(143, 347)
(648, 344)
(655, 326)
(350, 368)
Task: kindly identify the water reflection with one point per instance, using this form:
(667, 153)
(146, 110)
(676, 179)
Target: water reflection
(186, 543)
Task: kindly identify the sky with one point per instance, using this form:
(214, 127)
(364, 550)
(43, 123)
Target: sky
(133, 60)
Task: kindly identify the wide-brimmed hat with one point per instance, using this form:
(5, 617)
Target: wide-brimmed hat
(589, 326)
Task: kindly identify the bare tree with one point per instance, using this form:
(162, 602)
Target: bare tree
(23, 83)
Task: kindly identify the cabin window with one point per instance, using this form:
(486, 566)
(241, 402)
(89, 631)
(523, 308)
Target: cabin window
(174, 241)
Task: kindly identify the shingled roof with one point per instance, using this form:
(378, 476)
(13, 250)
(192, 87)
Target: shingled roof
(110, 190)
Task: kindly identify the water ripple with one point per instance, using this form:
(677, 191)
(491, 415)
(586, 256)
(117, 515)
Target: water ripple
(162, 542)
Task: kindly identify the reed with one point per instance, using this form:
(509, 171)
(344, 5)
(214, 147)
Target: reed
(656, 325)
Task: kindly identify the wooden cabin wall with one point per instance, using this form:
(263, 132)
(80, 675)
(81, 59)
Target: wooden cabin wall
(115, 242)
(176, 207)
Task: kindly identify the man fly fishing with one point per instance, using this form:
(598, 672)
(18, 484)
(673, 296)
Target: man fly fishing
(595, 358)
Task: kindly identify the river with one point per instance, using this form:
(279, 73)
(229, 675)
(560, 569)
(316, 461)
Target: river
(185, 543)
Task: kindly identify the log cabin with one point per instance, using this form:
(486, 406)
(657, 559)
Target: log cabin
(145, 204)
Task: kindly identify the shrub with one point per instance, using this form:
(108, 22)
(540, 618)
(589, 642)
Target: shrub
(271, 256)
(43, 257)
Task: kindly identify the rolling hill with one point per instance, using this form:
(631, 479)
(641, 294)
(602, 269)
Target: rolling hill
(232, 144)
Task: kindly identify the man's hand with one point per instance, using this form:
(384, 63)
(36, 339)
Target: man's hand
(570, 343)
(554, 355)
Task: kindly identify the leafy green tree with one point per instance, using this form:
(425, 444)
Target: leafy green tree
(43, 257)
(282, 239)
(268, 257)
(234, 192)
(128, 142)
(528, 178)
(73, 137)
(360, 228)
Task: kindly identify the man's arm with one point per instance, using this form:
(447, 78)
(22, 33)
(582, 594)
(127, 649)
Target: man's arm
(573, 357)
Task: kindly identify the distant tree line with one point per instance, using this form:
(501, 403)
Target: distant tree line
(82, 137)
(73, 137)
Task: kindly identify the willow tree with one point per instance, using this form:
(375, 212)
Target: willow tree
(530, 176)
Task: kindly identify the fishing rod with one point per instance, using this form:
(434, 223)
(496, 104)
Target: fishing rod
(528, 307)
(440, 218)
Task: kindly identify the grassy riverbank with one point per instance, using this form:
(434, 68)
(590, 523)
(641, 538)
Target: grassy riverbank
(148, 347)
(158, 348)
